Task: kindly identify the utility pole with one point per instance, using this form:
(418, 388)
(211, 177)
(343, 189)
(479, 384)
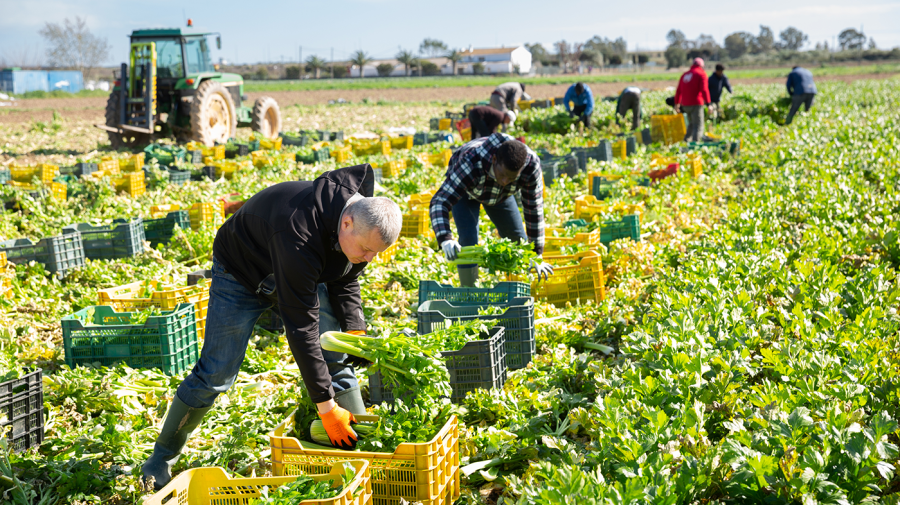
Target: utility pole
(332, 63)
(301, 63)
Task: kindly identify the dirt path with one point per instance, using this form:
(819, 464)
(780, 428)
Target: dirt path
(25, 111)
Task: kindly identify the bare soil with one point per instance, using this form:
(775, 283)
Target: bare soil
(91, 109)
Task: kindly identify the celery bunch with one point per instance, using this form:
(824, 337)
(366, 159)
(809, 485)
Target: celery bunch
(498, 255)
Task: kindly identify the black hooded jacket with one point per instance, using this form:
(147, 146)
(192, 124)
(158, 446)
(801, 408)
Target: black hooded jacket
(290, 231)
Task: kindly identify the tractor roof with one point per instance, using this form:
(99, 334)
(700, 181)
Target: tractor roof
(167, 32)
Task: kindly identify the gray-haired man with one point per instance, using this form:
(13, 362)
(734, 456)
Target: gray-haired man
(300, 245)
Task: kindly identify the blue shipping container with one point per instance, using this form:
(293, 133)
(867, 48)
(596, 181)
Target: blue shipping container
(65, 80)
(22, 81)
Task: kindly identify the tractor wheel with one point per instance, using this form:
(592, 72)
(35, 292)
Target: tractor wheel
(128, 139)
(212, 114)
(266, 118)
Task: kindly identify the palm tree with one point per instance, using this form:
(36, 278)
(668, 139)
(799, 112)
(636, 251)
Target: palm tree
(407, 58)
(316, 64)
(454, 56)
(360, 58)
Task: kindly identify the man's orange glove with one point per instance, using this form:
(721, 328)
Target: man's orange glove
(337, 423)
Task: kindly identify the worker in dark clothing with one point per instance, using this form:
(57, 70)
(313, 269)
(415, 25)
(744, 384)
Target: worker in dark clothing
(485, 120)
(489, 172)
(583, 100)
(802, 89)
(717, 82)
(630, 99)
(301, 245)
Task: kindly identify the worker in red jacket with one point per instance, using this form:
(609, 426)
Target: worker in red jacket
(691, 95)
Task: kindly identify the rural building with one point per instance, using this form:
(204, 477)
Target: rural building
(18, 81)
(499, 60)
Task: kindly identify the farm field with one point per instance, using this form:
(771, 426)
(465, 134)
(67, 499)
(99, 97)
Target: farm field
(747, 348)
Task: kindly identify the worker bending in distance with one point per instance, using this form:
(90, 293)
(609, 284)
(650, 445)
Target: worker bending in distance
(630, 99)
(507, 95)
(300, 246)
(489, 172)
(486, 120)
(718, 82)
(581, 96)
(802, 89)
(691, 95)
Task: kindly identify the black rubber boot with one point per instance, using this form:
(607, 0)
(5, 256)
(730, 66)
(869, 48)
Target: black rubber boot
(180, 422)
(351, 400)
(468, 276)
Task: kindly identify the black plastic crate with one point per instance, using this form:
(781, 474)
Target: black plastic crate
(646, 138)
(178, 177)
(236, 149)
(630, 145)
(194, 277)
(551, 171)
(289, 139)
(121, 239)
(58, 254)
(22, 402)
(602, 152)
(502, 292)
(160, 231)
(195, 157)
(209, 172)
(517, 319)
(423, 138)
(85, 169)
(434, 123)
(456, 116)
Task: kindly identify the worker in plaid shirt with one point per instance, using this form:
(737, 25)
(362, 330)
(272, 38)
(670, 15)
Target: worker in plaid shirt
(488, 172)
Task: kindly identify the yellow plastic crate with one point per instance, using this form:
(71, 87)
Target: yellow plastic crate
(606, 175)
(525, 104)
(420, 200)
(3, 260)
(620, 149)
(392, 168)
(425, 472)
(572, 284)
(107, 167)
(158, 211)
(206, 214)
(588, 206)
(6, 274)
(227, 168)
(659, 161)
(404, 142)
(213, 486)
(441, 159)
(388, 254)
(668, 128)
(466, 134)
(132, 163)
(445, 124)
(695, 164)
(128, 297)
(343, 154)
(417, 222)
(365, 147)
(131, 183)
(554, 244)
(44, 172)
(59, 191)
(270, 144)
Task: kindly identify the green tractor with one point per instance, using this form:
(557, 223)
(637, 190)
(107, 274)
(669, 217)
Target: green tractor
(171, 89)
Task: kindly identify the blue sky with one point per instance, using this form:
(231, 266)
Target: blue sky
(275, 29)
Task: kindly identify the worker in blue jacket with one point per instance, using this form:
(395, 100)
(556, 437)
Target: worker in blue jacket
(581, 96)
(802, 89)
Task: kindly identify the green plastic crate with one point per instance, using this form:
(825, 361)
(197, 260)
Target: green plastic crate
(58, 254)
(503, 292)
(121, 239)
(628, 227)
(160, 231)
(4, 175)
(100, 335)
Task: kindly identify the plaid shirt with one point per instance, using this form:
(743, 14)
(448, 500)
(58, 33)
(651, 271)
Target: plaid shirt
(470, 173)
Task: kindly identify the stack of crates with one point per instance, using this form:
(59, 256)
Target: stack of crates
(45, 172)
(121, 239)
(134, 296)
(107, 168)
(575, 279)
(58, 254)
(134, 163)
(417, 222)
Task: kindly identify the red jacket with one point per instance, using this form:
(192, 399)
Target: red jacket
(693, 87)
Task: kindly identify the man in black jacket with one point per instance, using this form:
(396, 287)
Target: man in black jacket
(485, 120)
(717, 82)
(300, 245)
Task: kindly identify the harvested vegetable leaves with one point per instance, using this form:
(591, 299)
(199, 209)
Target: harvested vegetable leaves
(304, 488)
(498, 256)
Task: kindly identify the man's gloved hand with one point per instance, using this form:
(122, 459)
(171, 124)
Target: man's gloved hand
(542, 269)
(356, 361)
(337, 423)
(451, 249)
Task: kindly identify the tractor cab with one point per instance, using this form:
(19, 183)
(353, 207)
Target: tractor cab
(169, 87)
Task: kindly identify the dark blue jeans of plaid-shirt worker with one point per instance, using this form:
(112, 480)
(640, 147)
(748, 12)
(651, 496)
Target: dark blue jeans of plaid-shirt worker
(505, 216)
(232, 312)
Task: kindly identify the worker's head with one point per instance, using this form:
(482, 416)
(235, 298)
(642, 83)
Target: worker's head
(579, 88)
(698, 62)
(509, 117)
(368, 227)
(720, 69)
(523, 86)
(508, 162)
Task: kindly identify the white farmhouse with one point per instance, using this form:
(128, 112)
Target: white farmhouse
(501, 60)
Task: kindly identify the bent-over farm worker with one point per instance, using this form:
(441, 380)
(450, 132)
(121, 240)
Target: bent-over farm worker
(485, 120)
(583, 98)
(300, 246)
(691, 95)
(507, 95)
(488, 172)
(802, 89)
(630, 99)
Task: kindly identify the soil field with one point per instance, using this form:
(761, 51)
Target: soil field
(28, 110)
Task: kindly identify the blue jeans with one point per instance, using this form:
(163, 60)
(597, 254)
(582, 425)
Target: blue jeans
(505, 216)
(230, 317)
